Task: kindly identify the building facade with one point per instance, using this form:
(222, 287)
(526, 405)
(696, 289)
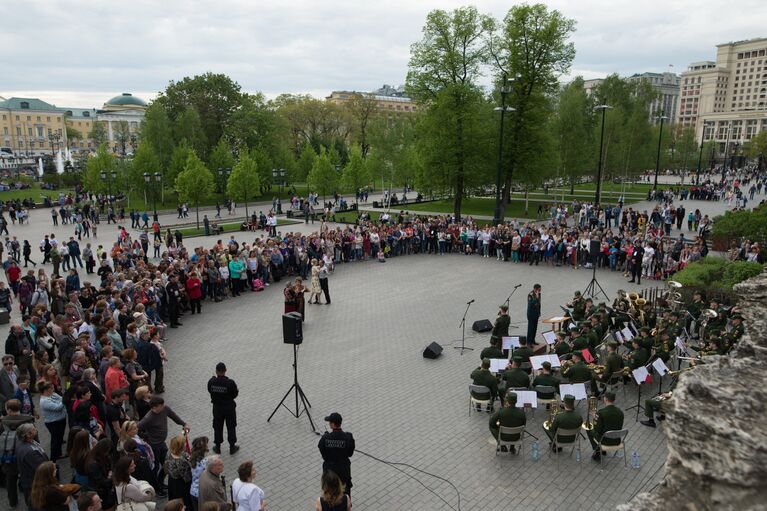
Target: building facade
(31, 127)
(667, 102)
(395, 102)
(726, 100)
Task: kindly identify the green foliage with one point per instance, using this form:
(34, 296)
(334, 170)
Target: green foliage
(757, 148)
(573, 128)
(355, 176)
(195, 183)
(305, 162)
(244, 184)
(156, 131)
(264, 165)
(717, 273)
(99, 133)
(144, 161)
(178, 161)
(742, 224)
(188, 127)
(323, 177)
(73, 134)
(52, 179)
(221, 158)
(102, 161)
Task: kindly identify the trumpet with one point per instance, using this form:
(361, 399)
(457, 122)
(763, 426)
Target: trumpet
(553, 411)
(677, 373)
(597, 369)
(674, 284)
(591, 413)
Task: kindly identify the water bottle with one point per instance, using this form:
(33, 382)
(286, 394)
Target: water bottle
(635, 460)
(578, 454)
(535, 451)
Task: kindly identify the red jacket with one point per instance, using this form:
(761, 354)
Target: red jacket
(194, 288)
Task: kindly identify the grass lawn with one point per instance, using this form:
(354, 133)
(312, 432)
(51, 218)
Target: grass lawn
(609, 186)
(471, 206)
(190, 232)
(32, 193)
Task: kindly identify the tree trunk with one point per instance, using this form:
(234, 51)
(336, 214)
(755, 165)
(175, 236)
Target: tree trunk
(459, 180)
(197, 212)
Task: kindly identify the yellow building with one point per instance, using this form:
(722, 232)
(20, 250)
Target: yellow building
(31, 127)
(80, 120)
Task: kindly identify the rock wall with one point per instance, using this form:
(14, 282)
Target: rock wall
(717, 425)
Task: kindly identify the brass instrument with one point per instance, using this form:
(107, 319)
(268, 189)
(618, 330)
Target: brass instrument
(674, 284)
(626, 371)
(676, 373)
(553, 411)
(640, 302)
(709, 313)
(597, 369)
(591, 413)
(633, 297)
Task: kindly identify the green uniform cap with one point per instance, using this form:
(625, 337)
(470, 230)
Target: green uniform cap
(511, 397)
(569, 399)
(503, 307)
(610, 396)
(518, 359)
(546, 365)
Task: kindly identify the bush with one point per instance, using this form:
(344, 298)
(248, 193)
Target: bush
(742, 224)
(716, 273)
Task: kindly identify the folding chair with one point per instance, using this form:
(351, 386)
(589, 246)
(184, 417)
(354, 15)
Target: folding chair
(474, 402)
(518, 443)
(574, 443)
(618, 434)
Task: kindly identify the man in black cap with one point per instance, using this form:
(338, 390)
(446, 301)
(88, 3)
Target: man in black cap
(174, 298)
(509, 417)
(569, 419)
(515, 377)
(336, 447)
(223, 391)
(636, 262)
(609, 418)
(546, 379)
(533, 312)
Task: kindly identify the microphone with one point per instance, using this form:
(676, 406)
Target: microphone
(467, 303)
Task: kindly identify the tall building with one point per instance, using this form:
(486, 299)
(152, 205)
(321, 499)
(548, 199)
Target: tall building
(727, 97)
(592, 85)
(667, 87)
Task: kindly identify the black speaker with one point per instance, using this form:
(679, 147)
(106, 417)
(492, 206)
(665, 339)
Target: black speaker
(5, 317)
(433, 350)
(483, 325)
(594, 248)
(292, 328)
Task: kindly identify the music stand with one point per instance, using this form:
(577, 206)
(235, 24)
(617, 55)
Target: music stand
(638, 406)
(463, 347)
(299, 393)
(591, 289)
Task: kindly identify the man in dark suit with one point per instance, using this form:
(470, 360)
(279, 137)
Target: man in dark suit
(636, 262)
(8, 375)
(483, 376)
(29, 455)
(609, 418)
(533, 313)
(502, 322)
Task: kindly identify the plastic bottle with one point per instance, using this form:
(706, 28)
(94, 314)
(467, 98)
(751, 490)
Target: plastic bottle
(534, 450)
(635, 464)
(578, 454)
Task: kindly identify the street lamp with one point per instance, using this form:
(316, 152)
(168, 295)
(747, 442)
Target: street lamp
(598, 195)
(108, 177)
(53, 138)
(280, 173)
(700, 155)
(505, 90)
(657, 157)
(221, 173)
(726, 147)
(148, 181)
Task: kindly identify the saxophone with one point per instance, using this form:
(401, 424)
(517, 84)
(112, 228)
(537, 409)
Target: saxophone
(553, 411)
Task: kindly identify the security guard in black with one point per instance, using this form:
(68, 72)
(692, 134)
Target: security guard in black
(336, 447)
(223, 392)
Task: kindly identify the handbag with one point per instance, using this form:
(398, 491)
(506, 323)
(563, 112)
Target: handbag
(131, 506)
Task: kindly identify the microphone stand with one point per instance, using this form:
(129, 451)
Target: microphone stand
(508, 299)
(463, 347)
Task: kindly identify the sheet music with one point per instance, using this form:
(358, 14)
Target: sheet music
(618, 336)
(572, 325)
(627, 334)
(576, 389)
(498, 364)
(510, 342)
(640, 375)
(550, 337)
(537, 362)
(660, 366)
(680, 344)
(554, 360)
(526, 397)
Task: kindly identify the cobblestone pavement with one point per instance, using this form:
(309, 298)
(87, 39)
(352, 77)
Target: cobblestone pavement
(362, 357)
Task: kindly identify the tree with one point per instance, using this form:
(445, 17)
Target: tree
(144, 161)
(443, 72)
(362, 108)
(305, 162)
(215, 98)
(221, 158)
(355, 175)
(264, 166)
(99, 133)
(157, 132)
(121, 132)
(188, 126)
(178, 161)
(102, 161)
(194, 183)
(573, 129)
(757, 148)
(532, 45)
(244, 183)
(73, 134)
(323, 177)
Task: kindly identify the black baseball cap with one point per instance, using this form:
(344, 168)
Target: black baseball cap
(220, 367)
(335, 418)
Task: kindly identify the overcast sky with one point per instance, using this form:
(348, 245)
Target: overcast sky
(81, 52)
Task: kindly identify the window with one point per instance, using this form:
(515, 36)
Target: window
(18, 131)
(17, 117)
(38, 118)
(25, 105)
(5, 130)
(86, 114)
(29, 118)
(40, 132)
(29, 132)
(48, 118)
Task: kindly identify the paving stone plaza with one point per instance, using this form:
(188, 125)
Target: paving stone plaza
(362, 357)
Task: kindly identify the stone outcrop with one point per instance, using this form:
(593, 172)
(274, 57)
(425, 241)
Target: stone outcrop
(717, 425)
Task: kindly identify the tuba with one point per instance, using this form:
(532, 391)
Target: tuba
(553, 411)
(591, 414)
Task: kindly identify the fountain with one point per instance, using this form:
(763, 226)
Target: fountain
(40, 166)
(59, 163)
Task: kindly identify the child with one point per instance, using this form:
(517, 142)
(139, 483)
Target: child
(22, 394)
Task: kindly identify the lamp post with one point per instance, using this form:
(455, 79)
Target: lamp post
(726, 147)
(657, 157)
(54, 138)
(280, 173)
(700, 155)
(148, 181)
(221, 173)
(108, 177)
(505, 90)
(598, 194)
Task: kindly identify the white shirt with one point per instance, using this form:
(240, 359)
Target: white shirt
(247, 495)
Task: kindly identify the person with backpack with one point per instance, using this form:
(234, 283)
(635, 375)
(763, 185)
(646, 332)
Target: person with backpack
(8, 425)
